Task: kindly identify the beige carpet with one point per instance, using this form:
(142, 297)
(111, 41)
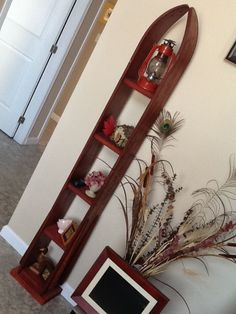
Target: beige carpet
(13, 298)
(17, 164)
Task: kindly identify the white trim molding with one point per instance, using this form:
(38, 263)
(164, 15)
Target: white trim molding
(13, 239)
(32, 141)
(67, 291)
(20, 246)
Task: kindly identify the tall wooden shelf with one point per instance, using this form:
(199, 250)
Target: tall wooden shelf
(44, 290)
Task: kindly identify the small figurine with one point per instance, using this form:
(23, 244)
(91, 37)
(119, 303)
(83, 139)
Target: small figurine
(44, 265)
(94, 181)
(78, 183)
(121, 135)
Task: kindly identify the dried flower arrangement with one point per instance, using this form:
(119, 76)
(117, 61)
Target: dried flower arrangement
(154, 239)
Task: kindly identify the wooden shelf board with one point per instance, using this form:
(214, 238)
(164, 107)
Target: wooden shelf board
(52, 233)
(133, 84)
(105, 141)
(81, 193)
(34, 284)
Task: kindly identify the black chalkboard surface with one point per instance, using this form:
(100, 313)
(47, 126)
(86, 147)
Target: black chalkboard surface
(116, 296)
(112, 286)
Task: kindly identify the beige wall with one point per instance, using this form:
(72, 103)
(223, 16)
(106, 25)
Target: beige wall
(205, 97)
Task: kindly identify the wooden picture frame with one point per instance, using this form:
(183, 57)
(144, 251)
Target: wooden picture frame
(231, 56)
(111, 283)
(68, 234)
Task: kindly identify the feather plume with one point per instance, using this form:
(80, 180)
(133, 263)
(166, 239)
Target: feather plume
(163, 130)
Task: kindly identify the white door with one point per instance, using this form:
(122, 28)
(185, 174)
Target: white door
(28, 32)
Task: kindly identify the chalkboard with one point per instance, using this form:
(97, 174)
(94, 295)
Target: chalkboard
(116, 296)
(112, 286)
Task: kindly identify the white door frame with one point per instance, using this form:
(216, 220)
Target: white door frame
(35, 140)
(50, 74)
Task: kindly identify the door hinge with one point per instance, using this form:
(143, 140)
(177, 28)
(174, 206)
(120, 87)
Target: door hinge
(53, 48)
(21, 119)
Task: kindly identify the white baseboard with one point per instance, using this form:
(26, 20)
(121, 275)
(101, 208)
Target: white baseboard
(20, 246)
(13, 239)
(35, 140)
(67, 291)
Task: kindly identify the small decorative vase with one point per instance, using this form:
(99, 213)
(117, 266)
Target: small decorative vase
(92, 190)
(94, 182)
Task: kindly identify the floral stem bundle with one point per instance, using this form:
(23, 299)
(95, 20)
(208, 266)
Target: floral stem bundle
(155, 239)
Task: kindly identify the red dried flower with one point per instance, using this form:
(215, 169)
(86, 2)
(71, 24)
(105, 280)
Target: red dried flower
(109, 126)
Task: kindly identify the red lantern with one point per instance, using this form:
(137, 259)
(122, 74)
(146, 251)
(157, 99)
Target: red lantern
(156, 65)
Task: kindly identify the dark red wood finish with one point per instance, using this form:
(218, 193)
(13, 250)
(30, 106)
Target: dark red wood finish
(125, 156)
(132, 273)
(32, 283)
(106, 142)
(133, 84)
